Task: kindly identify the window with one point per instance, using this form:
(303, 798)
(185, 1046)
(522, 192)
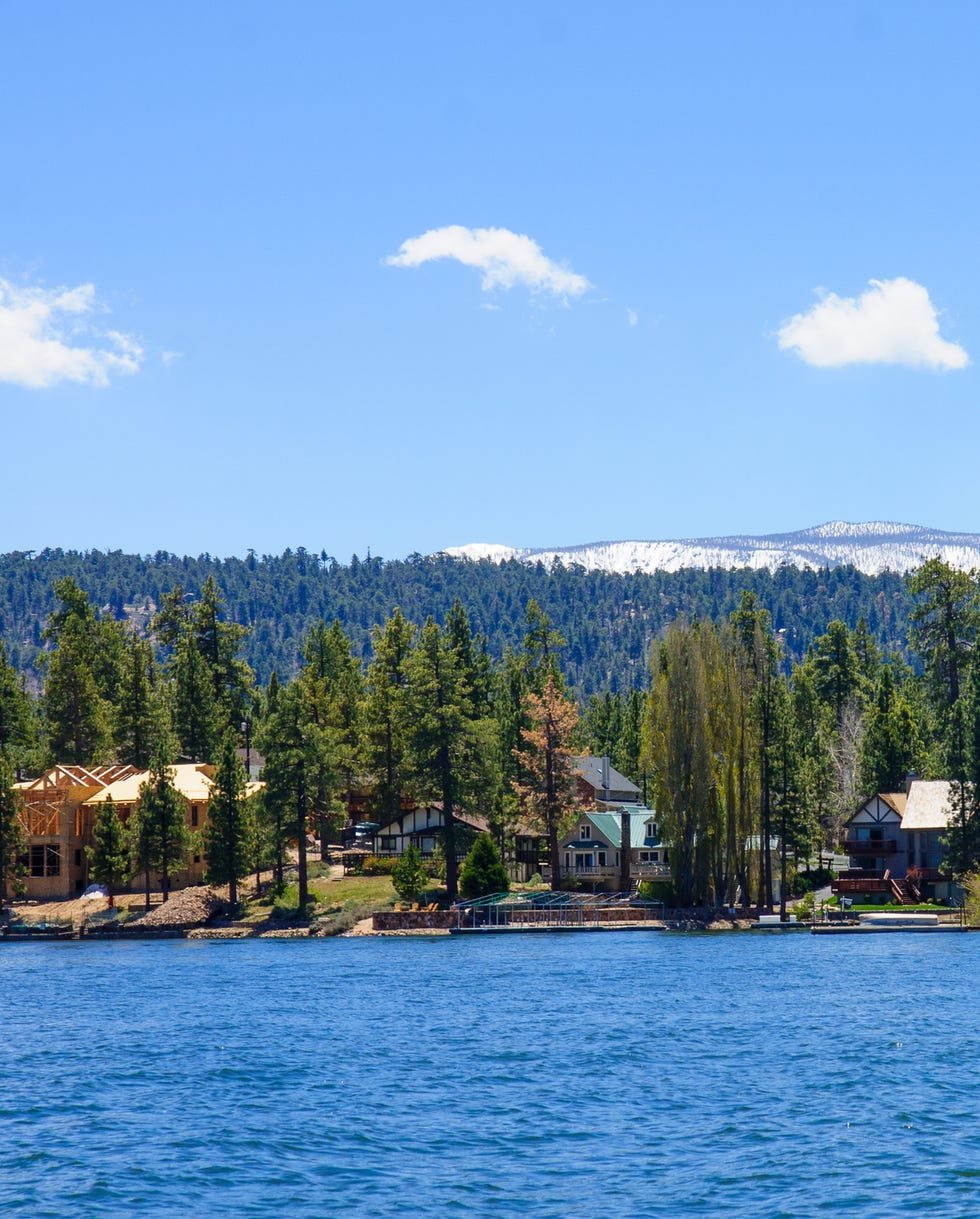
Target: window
(45, 860)
(388, 843)
(585, 831)
(428, 816)
(194, 815)
(602, 859)
(651, 831)
(197, 859)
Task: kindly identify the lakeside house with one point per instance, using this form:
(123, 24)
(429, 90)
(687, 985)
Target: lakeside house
(58, 812)
(895, 845)
(57, 826)
(592, 852)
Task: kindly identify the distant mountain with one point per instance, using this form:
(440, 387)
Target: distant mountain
(873, 548)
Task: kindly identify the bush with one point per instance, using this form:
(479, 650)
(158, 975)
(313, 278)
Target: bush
(656, 891)
(409, 876)
(483, 870)
(377, 865)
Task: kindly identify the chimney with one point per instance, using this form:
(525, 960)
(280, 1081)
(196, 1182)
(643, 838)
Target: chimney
(604, 768)
(910, 778)
(624, 851)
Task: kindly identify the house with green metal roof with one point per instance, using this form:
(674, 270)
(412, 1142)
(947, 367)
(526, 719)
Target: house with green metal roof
(592, 850)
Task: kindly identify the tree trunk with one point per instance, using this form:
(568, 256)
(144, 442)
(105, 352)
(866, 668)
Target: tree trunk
(449, 825)
(304, 892)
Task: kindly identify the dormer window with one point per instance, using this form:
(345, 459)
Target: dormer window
(651, 831)
(585, 831)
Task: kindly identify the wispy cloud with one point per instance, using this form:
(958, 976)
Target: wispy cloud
(893, 322)
(47, 337)
(171, 357)
(632, 317)
(505, 258)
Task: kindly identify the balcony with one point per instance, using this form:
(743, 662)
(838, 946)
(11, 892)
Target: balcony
(870, 846)
(868, 884)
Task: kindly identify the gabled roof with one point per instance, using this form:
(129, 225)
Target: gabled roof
(928, 805)
(191, 779)
(64, 774)
(589, 767)
(894, 800)
(608, 825)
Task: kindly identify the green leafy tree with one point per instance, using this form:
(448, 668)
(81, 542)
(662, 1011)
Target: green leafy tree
(228, 831)
(408, 875)
(483, 870)
(109, 855)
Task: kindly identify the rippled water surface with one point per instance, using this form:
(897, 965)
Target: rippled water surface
(631, 1074)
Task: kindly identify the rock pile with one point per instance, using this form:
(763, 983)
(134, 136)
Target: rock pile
(186, 908)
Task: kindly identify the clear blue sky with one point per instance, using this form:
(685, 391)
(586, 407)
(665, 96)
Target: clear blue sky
(202, 347)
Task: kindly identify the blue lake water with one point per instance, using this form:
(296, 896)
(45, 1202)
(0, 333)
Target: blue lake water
(630, 1074)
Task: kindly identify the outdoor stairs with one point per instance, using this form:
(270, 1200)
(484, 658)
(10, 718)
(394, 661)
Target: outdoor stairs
(902, 892)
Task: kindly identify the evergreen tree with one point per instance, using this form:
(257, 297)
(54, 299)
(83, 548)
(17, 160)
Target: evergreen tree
(108, 856)
(294, 747)
(196, 716)
(386, 715)
(228, 832)
(134, 713)
(161, 838)
(890, 745)
(408, 874)
(483, 870)
(944, 623)
(331, 685)
(11, 833)
(546, 793)
(18, 730)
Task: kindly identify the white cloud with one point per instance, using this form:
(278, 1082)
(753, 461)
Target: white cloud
(171, 357)
(505, 258)
(46, 337)
(894, 322)
(632, 317)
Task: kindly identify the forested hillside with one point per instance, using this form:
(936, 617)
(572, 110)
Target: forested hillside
(609, 620)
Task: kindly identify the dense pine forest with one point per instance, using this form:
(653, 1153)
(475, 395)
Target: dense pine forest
(480, 709)
(609, 620)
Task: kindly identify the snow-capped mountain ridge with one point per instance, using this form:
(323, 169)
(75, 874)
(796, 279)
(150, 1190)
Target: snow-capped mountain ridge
(872, 547)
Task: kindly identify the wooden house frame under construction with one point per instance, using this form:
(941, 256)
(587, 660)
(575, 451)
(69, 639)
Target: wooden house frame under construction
(57, 826)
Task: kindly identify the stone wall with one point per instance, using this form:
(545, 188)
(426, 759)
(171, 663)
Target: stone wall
(414, 920)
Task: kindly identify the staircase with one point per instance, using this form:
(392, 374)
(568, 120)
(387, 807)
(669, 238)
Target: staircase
(902, 892)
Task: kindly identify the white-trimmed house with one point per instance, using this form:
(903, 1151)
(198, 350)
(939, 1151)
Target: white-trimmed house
(424, 827)
(895, 844)
(592, 850)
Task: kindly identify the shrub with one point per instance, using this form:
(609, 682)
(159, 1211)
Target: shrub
(377, 865)
(409, 876)
(483, 870)
(656, 891)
